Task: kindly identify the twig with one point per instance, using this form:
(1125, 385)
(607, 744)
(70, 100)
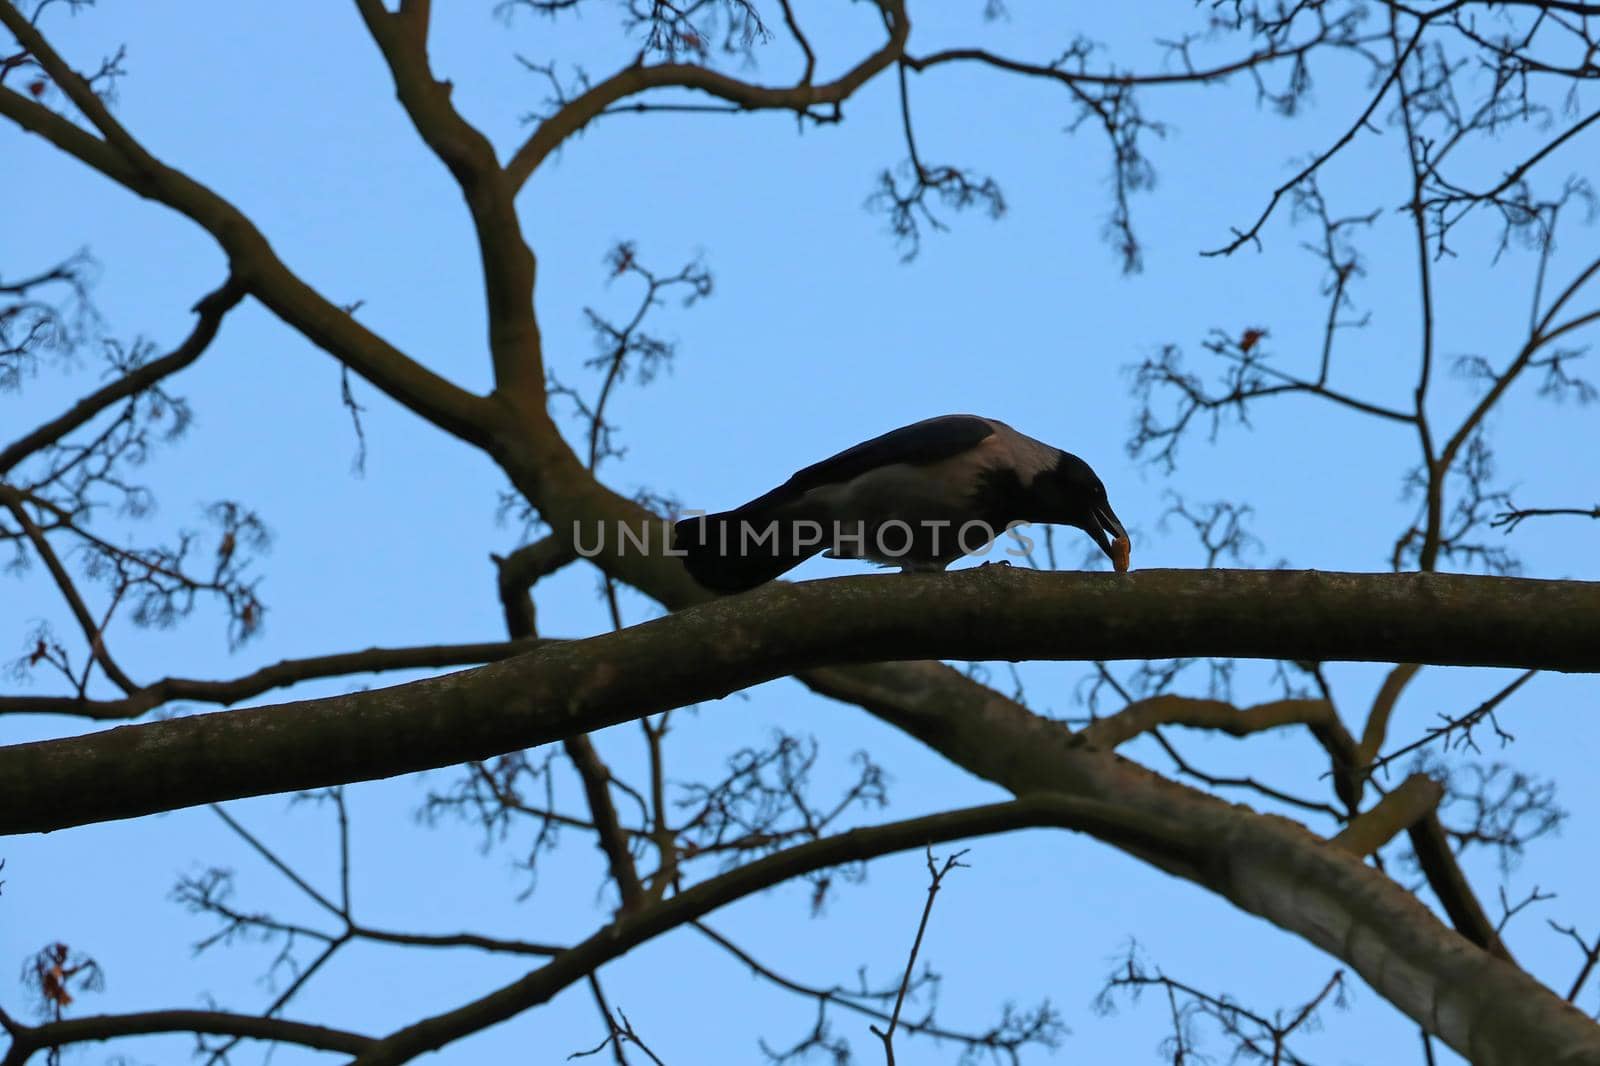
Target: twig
(936, 875)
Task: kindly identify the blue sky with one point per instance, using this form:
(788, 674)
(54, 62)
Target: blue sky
(816, 337)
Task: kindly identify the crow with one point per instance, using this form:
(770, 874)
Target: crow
(918, 497)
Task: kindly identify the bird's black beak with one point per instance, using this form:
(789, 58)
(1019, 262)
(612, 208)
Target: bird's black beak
(1107, 531)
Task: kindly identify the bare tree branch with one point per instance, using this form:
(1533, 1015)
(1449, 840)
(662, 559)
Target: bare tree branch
(1377, 725)
(632, 81)
(26, 1041)
(1144, 715)
(1417, 796)
(120, 157)
(281, 674)
(1245, 236)
(210, 310)
(1449, 883)
(93, 629)
(508, 262)
(936, 874)
(631, 929)
(1045, 1033)
(1511, 519)
(566, 688)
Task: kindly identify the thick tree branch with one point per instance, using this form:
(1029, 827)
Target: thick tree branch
(1377, 727)
(516, 575)
(1144, 715)
(1449, 883)
(1261, 864)
(566, 688)
(1416, 797)
(1428, 842)
(1411, 807)
(1269, 866)
(533, 562)
(596, 777)
(508, 262)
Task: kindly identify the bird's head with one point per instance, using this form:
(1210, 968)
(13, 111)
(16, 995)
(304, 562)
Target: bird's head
(1070, 493)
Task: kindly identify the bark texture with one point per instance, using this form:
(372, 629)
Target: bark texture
(707, 652)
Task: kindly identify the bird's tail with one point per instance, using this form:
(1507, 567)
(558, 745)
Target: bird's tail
(740, 549)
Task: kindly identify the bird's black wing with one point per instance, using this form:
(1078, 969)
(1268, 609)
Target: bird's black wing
(708, 541)
(918, 444)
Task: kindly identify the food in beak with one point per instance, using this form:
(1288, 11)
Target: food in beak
(1121, 549)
